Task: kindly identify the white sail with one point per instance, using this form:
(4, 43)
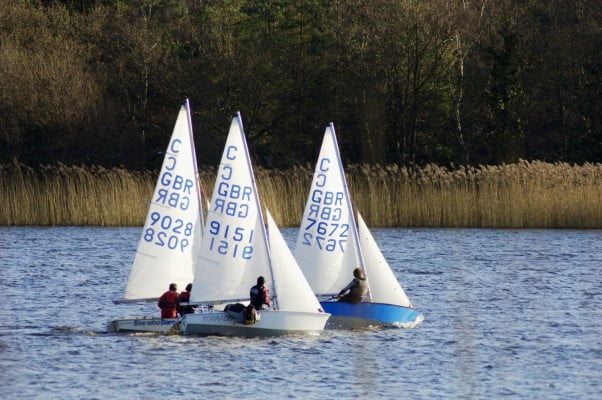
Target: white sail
(295, 294)
(172, 231)
(324, 249)
(384, 286)
(234, 250)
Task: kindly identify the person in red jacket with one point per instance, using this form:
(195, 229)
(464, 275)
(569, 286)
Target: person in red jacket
(168, 302)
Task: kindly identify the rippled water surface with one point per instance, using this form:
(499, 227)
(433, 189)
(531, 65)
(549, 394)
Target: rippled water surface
(508, 314)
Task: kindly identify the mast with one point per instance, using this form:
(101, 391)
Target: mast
(196, 168)
(256, 194)
(353, 223)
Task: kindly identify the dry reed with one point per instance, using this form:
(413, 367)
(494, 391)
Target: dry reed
(522, 195)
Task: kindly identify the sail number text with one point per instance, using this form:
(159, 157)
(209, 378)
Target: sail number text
(326, 236)
(165, 231)
(234, 241)
(234, 203)
(322, 223)
(174, 191)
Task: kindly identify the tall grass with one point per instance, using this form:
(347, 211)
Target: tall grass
(522, 195)
(62, 195)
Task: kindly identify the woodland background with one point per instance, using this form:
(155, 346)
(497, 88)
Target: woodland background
(406, 82)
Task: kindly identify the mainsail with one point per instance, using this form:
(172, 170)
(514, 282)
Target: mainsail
(326, 248)
(172, 232)
(234, 251)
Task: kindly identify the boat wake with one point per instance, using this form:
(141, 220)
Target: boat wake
(70, 330)
(411, 324)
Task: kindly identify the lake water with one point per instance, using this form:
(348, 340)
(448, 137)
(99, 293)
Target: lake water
(508, 314)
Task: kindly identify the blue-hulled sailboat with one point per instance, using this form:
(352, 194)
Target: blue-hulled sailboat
(330, 245)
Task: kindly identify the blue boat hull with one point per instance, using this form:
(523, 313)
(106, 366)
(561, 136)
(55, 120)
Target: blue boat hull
(363, 315)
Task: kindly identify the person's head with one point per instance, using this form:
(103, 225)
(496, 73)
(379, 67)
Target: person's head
(173, 286)
(358, 273)
(260, 281)
(189, 287)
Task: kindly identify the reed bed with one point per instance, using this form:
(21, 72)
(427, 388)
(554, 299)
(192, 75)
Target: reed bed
(522, 195)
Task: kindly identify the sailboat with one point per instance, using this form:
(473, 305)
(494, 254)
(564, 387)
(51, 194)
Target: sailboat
(171, 236)
(236, 250)
(330, 245)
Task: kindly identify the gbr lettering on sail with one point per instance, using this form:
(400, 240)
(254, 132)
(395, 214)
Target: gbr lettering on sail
(164, 227)
(231, 222)
(324, 225)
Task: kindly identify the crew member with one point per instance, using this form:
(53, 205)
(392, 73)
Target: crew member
(251, 316)
(356, 290)
(168, 302)
(260, 294)
(185, 298)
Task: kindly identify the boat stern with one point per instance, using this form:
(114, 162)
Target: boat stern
(364, 315)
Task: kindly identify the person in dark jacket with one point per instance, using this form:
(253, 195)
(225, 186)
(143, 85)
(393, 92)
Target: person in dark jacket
(168, 302)
(260, 294)
(185, 298)
(356, 290)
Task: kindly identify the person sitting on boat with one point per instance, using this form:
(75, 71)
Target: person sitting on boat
(251, 316)
(185, 298)
(168, 302)
(260, 295)
(356, 290)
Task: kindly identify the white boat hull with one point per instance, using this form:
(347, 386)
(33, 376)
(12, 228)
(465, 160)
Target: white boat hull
(271, 323)
(141, 325)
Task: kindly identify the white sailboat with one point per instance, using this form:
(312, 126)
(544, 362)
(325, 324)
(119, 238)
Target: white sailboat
(171, 236)
(330, 246)
(235, 250)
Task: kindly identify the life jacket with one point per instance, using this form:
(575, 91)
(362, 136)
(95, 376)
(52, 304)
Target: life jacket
(169, 300)
(184, 298)
(361, 286)
(250, 316)
(259, 296)
(357, 291)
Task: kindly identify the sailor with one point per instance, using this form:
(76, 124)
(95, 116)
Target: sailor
(356, 290)
(251, 316)
(168, 302)
(260, 294)
(185, 298)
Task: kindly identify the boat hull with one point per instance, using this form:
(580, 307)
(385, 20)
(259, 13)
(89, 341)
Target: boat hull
(271, 323)
(363, 315)
(141, 325)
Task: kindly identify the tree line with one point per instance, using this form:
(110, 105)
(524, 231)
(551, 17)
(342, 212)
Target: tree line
(99, 82)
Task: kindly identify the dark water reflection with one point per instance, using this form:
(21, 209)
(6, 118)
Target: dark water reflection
(509, 314)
